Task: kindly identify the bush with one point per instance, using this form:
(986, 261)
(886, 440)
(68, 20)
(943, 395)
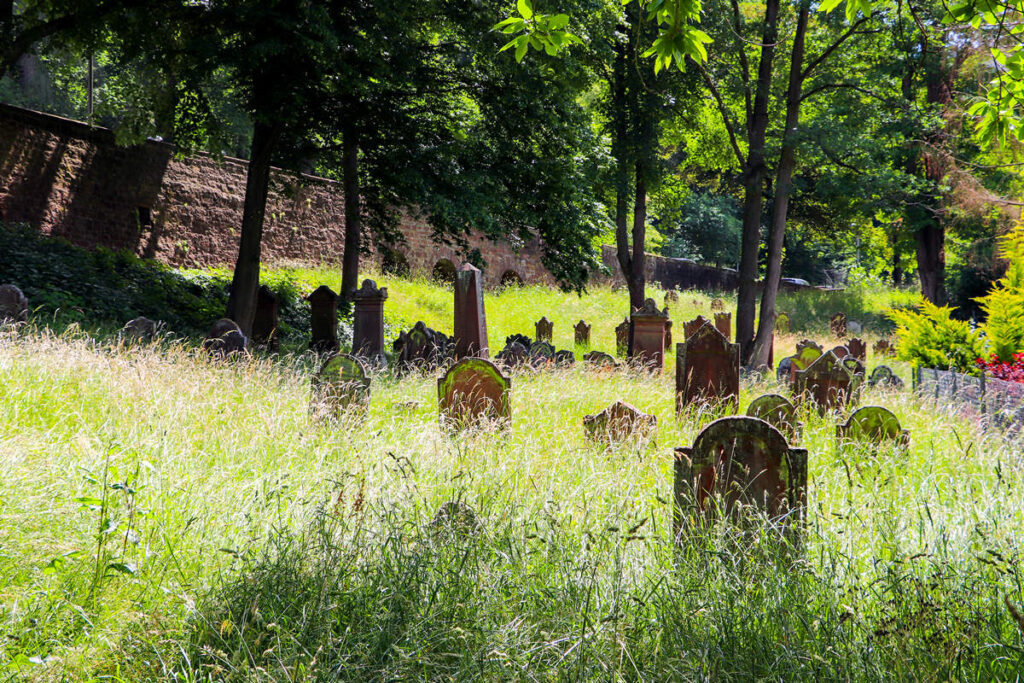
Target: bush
(932, 339)
(1004, 305)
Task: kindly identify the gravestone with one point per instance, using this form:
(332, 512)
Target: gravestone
(717, 305)
(668, 334)
(648, 343)
(858, 349)
(13, 305)
(140, 329)
(855, 367)
(784, 373)
(541, 353)
(620, 422)
(690, 327)
(883, 348)
(323, 320)
(873, 424)
(723, 323)
(826, 383)
(368, 322)
(884, 376)
(841, 352)
(470, 322)
(807, 352)
(707, 369)
(471, 391)
(342, 382)
(779, 412)
(544, 329)
(421, 347)
(564, 358)
(225, 338)
(264, 323)
(520, 338)
(838, 325)
(739, 461)
(782, 324)
(622, 338)
(599, 359)
(581, 334)
(513, 355)
(671, 297)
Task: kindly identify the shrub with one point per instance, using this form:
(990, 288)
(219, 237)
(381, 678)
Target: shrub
(1011, 371)
(1004, 305)
(932, 339)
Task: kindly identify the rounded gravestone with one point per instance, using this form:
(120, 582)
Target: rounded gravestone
(778, 411)
(225, 338)
(473, 390)
(13, 305)
(342, 382)
(873, 424)
(140, 329)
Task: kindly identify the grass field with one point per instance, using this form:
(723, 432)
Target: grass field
(165, 517)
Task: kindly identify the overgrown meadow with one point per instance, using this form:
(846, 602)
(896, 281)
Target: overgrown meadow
(168, 517)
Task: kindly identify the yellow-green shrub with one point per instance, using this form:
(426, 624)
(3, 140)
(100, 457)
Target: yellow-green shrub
(1004, 305)
(931, 338)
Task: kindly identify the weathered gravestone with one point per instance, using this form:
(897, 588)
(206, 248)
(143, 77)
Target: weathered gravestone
(723, 323)
(13, 305)
(323, 320)
(581, 334)
(873, 424)
(807, 352)
(140, 329)
(784, 373)
(620, 422)
(883, 348)
(671, 297)
(717, 305)
(838, 325)
(421, 347)
(707, 369)
(470, 322)
(689, 328)
(342, 382)
(855, 367)
(541, 353)
(473, 390)
(782, 324)
(564, 358)
(668, 333)
(858, 349)
(647, 345)
(826, 383)
(544, 329)
(225, 338)
(264, 322)
(885, 377)
(779, 412)
(513, 355)
(841, 352)
(368, 322)
(520, 338)
(622, 338)
(739, 461)
(599, 359)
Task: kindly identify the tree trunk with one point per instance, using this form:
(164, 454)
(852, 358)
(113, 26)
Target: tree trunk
(353, 215)
(780, 206)
(931, 262)
(897, 267)
(753, 185)
(631, 261)
(637, 280)
(246, 279)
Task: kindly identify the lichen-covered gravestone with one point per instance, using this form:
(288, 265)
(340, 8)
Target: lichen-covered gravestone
(782, 323)
(858, 349)
(648, 343)
(541, 354)
(738, 461)
(472, 391)
(779, 412)
(717, 305)
(342, 382)
(883, 348)
(139, 329)
(826, 383)
(544, 329)
(368, 322)
(264, 323)
(885, 377)
(873, 424)
(470, 320)
(622, 338)
(620, 422)
(323, 320)
(13, 305)
(807, 352)
(225, 338)
(723, 323)
(838, 325)
(421, 347)
(581, 334)
(707, 369)
(599, 359)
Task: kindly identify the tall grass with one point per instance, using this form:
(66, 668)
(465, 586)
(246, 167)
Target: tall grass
(166, 517)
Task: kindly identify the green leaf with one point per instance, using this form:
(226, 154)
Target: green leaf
(525, 8)
(521, 48)
(558, 21)
(828, 5)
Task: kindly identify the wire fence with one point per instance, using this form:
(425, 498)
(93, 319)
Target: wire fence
(994, 402)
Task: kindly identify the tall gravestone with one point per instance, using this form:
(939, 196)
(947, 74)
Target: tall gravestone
(544, 329)
(13, 305)
(826, 383)
(323, 320)
(738, 461)
(471, 391)
(470, 321)
(622, 338)
(264, 323)
(581, 333)
(648, 339)
(723, 322)
(368, 322)
(707, 369)
(668, 333)
(342, 382)
(858, 349)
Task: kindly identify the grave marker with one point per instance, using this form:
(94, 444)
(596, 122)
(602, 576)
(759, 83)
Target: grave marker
(648, 343)
(342, 382)
(838, 325)
(723, 323)
(717, 305)
(13, 305)
(264, 323)
(513, 355)
(544, 329)
(858, 349)
(826, 382)
(884, 376)
(473, 390)
(564, 358)
(470, 322)
(671, 296)
(873, 424)
(622, 338)
(841, 352)
(599, 359)
(779, 412)
(225, 338)
(690, 327)
(140, 329)
(368, 322)
(883, 348)
(323, 320)
(620, 422)
(707, 369)
(581, 334)
(782, 323)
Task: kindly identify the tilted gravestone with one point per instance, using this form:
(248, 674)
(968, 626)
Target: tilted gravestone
(873, 424)
(323, 320)
(342, 382)
(620, 422)
(647, 345)
(225, 338)
(264, 323)
(739, 461)
(470, 321)
(473, 390)
(717, 305)
(599, 359)
(707, 369)
(858, 349)
(541, 353)
(723, 323)
(140, 329)
(368, 322)
(544, 329)
(622, 338)
(838, 325)
(581, 334)
(690, 327)
(13, 305)
(782, 323)
(826, 383)
(885, 377)
(779, 412)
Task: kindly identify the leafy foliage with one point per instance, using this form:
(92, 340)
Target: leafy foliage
(931, 338)
(1004, 305)
(705, 227)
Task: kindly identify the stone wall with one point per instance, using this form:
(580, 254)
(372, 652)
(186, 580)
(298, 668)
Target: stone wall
(67, 179)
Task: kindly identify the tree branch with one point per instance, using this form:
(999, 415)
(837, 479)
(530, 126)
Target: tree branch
(724, 111)
(832, 48)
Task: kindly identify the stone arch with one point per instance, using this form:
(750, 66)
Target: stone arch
(510, 278)
(444, 271)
